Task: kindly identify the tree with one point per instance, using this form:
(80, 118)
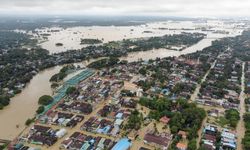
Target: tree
(134, 120)
(233, 116)
(2, 147)
(29, 121)
(45, 100)
(70, 90)
(143, 71)
(4, 101)
(174, 129)
(40, 109)
(192, 145)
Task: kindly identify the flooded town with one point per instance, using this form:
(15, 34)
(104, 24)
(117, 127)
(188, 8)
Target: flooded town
(124, 83)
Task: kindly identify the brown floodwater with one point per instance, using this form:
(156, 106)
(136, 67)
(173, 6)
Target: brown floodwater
(24, 105)
(71, 37)
(161, 53)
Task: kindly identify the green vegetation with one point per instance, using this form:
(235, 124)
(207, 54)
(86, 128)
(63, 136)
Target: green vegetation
(233, 116)
(40, 109)
(4, 101)
(71, 90)
(45, 100)
(184, 116)
(176, 139)
(18, 64)
(246, 139)
(29, 121)
(179, 87)
(143, 71)
(102, 63)
(134, 120)
(54, 85)
(247, 101)
(241, 46)
(144, 44)
(90, 41)
(222, 121)
(127, 93)
(62, 74)
(4, 146)
(192, 145)
(146, 84)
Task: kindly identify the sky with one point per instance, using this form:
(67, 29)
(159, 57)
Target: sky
(181, 8)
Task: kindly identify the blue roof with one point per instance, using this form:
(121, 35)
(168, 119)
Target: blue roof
(165, 91)
(104, 130)
(248, 84)
(123, 144)
(119, 115)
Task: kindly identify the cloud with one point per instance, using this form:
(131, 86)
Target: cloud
(129, 7)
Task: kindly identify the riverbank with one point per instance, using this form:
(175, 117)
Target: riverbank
(24, 105)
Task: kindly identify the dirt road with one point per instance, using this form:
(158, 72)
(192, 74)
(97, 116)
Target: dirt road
(241, 126)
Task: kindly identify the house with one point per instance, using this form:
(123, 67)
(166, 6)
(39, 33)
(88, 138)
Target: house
(183, 134)
(209, 137)
(165, 91)
(133, 134)
(165, 120)
(160, 141)
(65, 144)
(213, 112)
(123, 144)
(139, 92)
(228, 140)
(181, 146)
(61, 133)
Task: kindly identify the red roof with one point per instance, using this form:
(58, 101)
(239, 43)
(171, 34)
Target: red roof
(164, 141)
(183, 134)
(210, 137)
(181, 145)
(165, 119)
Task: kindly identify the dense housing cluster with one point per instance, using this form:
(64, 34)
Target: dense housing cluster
(222, 87)
(171, 103)
(19, 63)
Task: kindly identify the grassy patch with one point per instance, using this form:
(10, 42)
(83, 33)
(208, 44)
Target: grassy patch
(222, 121)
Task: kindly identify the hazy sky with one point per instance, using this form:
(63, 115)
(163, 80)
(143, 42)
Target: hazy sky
(189, 8)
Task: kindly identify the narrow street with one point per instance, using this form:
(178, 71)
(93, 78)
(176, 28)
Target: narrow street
(241, 126)
(195, 94)
(137, 143)
(193, 98)
(197, 90)
(198, 87)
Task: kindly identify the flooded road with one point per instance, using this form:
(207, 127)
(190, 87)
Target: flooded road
(240, 129)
